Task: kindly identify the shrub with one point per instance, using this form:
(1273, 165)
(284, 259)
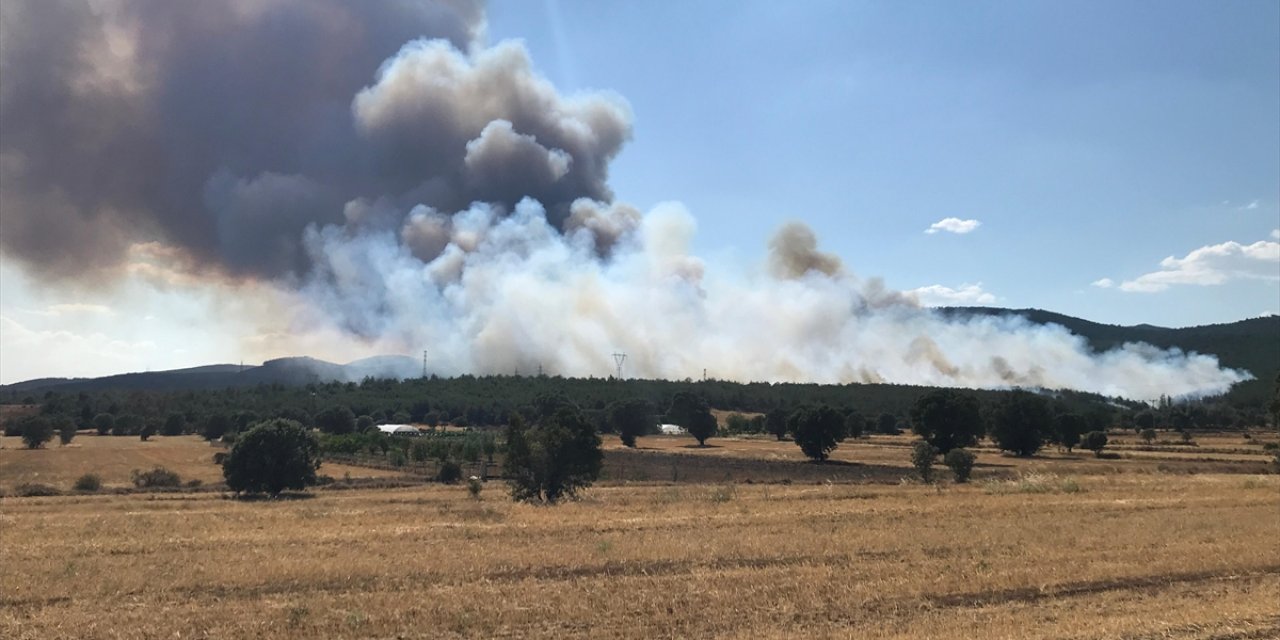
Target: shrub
(1094, 441)
(1148, 435)
(215, 426)
(148, 430)
(157, 477)
(922, 457)
(474, 485)
(397, 458)
(174, 425)
(88, 482)
(103, 423)
(36, 430)
(35, 490)
(1271, 446)
(272, 456)
(960, 462)
(450, 472)
(219, 458)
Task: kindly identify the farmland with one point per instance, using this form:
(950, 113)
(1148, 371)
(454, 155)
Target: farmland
(1053, 547)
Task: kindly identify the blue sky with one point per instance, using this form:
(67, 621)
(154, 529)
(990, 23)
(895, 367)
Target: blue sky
(1091, 140)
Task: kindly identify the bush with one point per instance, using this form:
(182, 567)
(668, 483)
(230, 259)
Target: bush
(450, 472)
(474, 485)
(174, 425)
(215, 426)
(148, 430)
(1148, 435)
(66, 430)
(35, 490)
(272, 456)
(157, 477)
(1094, 441)
(103, 423)
(397, 458)
(88, 482)
(960, 462)
(36, 430)
(922, 457)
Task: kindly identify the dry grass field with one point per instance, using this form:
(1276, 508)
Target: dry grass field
(1118, 556)
(113, 458)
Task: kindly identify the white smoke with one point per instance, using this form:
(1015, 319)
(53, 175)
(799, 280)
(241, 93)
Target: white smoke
(510, 293)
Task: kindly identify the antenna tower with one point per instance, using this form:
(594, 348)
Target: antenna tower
(619, 358)
(424, 363)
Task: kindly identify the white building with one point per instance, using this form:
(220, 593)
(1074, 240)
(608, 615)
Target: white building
(399, 430)
(671, 429)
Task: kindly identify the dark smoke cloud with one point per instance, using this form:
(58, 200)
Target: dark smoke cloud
(226, 127)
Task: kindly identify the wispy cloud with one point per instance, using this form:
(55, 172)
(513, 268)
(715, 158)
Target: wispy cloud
(953, 225)
(1275, 233)
(1104, 283)
(1253, 204)
(937, 295)
(1208, 266)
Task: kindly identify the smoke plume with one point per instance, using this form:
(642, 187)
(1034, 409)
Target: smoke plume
(397, 182)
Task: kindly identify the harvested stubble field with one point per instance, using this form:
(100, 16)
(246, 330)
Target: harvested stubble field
(1115, 556)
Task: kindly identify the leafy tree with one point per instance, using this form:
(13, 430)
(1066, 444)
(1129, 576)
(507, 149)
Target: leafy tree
(215, 426)
(816, 430)
(922, 458)
(1148, 435)
(128, 424)
(1094, 441)
(1144, 420)
(1019, 423)
(272, 456)
(775, 422)
(947, 419)
(960, 461)
(36, 430)
(365, 423)
(690, 411)
(66, 430)
(737, 423)
(336, 419)
(1067, 428)
(887, 423)
(553, 459)
(630, 419)
(174, 425)
(148, 430)
(103, 423)
(854, 425)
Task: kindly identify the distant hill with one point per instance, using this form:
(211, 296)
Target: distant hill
(1252, 345)
(286, 371)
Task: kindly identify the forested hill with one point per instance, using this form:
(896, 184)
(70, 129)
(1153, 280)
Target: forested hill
(1252, 345)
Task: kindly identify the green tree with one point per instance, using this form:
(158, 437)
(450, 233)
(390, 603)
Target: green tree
(103, 423)
(961, 463)
(854, 425)
(630, 419)
(337, 420)
(947, 419)
(174, 425)
(775, 422)
(554, 459)
(36, 431)
(817, 430)
(1019, 423)
(922, 458)
(1094, 441)
(1148, 435)
(690, 411)
(887, 423)
(215, 426)
(272, 456)
(66, 429)
(1067, 428)
(1144, 420)
(148, 429)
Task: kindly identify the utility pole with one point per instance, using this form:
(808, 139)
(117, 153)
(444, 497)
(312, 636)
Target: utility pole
(704, 375)
(424, 363)
(619, 358)
(539, 369)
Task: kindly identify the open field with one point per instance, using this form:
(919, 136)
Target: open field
(114, 458)
(1118, 556)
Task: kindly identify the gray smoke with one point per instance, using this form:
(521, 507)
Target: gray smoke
(399, 185)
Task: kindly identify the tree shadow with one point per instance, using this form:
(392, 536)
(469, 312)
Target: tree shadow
(700, 446)
(287, 496)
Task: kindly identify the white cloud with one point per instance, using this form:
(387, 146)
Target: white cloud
(937, 295)
(1275, 233)
(1104, 283)
(953, 225)
(1253, 204)
(1212, 265)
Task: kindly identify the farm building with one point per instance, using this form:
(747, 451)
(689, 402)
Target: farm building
(399, 430)
(670, 429)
